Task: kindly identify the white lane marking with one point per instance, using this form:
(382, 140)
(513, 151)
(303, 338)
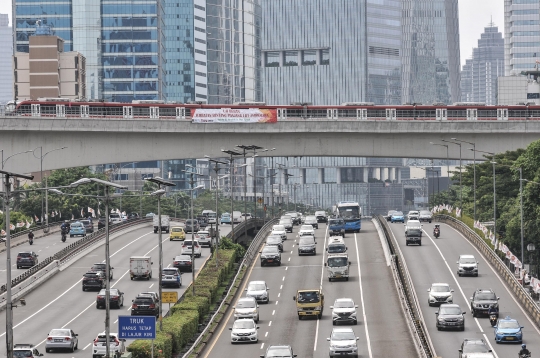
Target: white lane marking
(281, 287)
(88, 345)
(277, 302)
(151, 286)
(47, 247)
(66, 291)
(286, 268)
(289, 259)
(262, 346)
(114, 322)
(322, 276)
(490, 346)
(39, 251)
(283, 278)
(273, 312)
(291, 252)
(266, 334)
(128, 308)
(269, 323)
(279, 294)
(362, 297)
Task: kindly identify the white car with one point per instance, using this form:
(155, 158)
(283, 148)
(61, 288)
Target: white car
(258, 290)
(204, 238)
(117, 346)
(344, 310)
(244, 330)
(279, 230)
(413, 215)
(189, 247)
(247, 307)
(440, 293)
(306, 230)
(343, 342)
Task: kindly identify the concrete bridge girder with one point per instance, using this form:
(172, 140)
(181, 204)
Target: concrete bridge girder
(97, 141)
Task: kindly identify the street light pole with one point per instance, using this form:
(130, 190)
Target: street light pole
(447, 159)
(474, 171)
(232, 154)
(9, 305)
(191, 182)
(521, 209)
(216, 169)
(460, 187)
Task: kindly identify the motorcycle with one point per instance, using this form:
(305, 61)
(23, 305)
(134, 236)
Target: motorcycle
(64, 235)
(30, 241)
(436, 231)
(524, 355)
(493, 319)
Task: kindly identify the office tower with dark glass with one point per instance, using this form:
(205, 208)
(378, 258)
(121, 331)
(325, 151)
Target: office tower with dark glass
(479, 74)
(430, 53)
(6, 73)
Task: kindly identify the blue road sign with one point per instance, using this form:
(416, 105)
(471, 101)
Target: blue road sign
(137, 327)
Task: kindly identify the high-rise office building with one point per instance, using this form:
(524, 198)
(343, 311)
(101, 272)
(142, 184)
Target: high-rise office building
(430, 52)
(6, 74)
(479, 75)
(521, 35)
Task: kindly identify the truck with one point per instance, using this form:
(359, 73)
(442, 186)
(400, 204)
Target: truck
(336, 227)
(165, 224)
(337, 266)
(413, 232)
(140, 267)
(309, 303)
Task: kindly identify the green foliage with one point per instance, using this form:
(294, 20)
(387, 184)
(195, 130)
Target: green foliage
(227, 244)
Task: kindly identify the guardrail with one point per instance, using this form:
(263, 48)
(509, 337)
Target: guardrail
(416, 322)
(251, 254)
(495, 261)
(69, 251)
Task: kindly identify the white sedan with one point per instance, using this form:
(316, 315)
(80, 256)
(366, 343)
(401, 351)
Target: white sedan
(279, 230)
(306, 230)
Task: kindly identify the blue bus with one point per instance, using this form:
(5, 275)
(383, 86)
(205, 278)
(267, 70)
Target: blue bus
(351, 212)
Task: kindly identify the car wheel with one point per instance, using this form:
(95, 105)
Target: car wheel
(438, 328)
(299, 317)
(346, 279)
(84, 289)
(47, 350)
(18, 267)
(72, 349)
(473, 313)
(262, 264)
(355, 322)
(333, 323)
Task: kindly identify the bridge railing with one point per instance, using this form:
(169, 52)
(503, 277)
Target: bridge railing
(406, 289)
(517, 289)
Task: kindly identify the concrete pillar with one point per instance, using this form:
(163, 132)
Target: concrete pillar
(384, 174)
(338, 175)
(303, 174)
(281, 58)
(377, 173)
(320, 175)
(398, 175)
(366, 175)
(392, 174)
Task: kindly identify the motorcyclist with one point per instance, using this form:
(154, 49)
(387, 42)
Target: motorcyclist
(524, 351)
(65, 227)
(30, 237)
(492, 310)
(436, 230)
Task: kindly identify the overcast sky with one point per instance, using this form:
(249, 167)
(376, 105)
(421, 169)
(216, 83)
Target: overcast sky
(474, 15)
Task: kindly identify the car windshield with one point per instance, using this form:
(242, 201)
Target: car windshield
(102, 338)
(310, 218)
(189, 221)
(189, 243)
(439, 288)
(256, 287)
(350, 212)
(508, 324)
(306, 227)
(114, 292)
(270, 250)
(225, 215)
(22, 353)
(468, 260)
(24, 254)
(425, 212)
(336, 248)
(203, 234)
(273, 240)
(306, 241)
(475, 347)
(304, 297)
(486, 296)
(169, 272)
(344, 304)
(450, 311)
(343, 336)
(397, 213)
(60, 332)
(244, 324)
(283, 352)
(177, 229)
(143, 301)
(76, 225)
(320, 213)
(246, 304)
(183, 258)
(337, 261)
(85, 222)
(91, 274)
(336, 222)
(98, 267)
(284, 222)
(278, 228)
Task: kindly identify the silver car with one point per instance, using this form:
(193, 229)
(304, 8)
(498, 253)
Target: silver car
(171, 277)
(204, 238)
(247, 307)
(244, 330)
(440, 293)
(189, 246)
(258, 290)
(61, 339)
(344, 310)
(343, 343)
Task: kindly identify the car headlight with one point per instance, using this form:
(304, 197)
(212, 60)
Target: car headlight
(460, 319)
(353, 315)
(317, 308)
(441, 319)
(335, 314)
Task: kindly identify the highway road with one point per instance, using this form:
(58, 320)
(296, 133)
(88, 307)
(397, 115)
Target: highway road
(381, 327)
(435, 261)
(60, 302)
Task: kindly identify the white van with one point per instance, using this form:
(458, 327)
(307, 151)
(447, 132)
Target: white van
(115, 218)
(237, 217)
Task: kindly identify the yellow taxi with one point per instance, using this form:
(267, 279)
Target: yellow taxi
(177, 233)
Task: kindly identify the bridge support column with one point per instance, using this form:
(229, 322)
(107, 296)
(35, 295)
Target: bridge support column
(384, 174)
(377, 173)
(398, 175)
(303, 174)
(320, 175)
(366, 175)
(392, 174)
(338, 175)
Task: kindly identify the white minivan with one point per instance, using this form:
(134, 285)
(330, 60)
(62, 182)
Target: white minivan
(115, 218)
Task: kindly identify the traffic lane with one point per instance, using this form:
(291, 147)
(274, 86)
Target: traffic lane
(434, 261)
(381, 327)
(282, 283)
(76, 308)
(489, 279)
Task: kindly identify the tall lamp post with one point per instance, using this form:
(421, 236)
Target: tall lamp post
(460, 187)
(41, 157)
(107, 185)
(447, 159)
(9, 305)
(159, 193)
(232, 154)
(4, 161)
(474, 171)
(494, 192)
(216, 169)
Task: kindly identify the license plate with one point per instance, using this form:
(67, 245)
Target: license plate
(58, 340)
(270, 260)
(509, 338)
(451, 323)
(338, 276)
(169, 277)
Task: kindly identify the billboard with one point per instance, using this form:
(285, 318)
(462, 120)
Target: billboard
(234, 115)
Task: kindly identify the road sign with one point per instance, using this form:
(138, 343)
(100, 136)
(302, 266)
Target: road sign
(137, 327)
(169, 297)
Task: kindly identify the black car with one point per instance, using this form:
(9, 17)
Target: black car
(101, 223)
(481, 300)
(275, 241)
(145, 306)
(203, 221)
(473, 346)
(183, 263)
(88, 225)
(191, 226)
(450, 316)
(101, 267)
(116, 298)
(307, 246)
(321, 216)
(270, 255)
(27, 259)
(93, 280)
(133, 216)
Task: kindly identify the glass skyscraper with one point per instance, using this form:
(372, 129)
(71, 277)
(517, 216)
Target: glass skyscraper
(430, 56)
(6, 74)
(521, 35)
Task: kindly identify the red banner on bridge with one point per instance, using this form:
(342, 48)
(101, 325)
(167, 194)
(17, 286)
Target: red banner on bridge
(232, 115)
